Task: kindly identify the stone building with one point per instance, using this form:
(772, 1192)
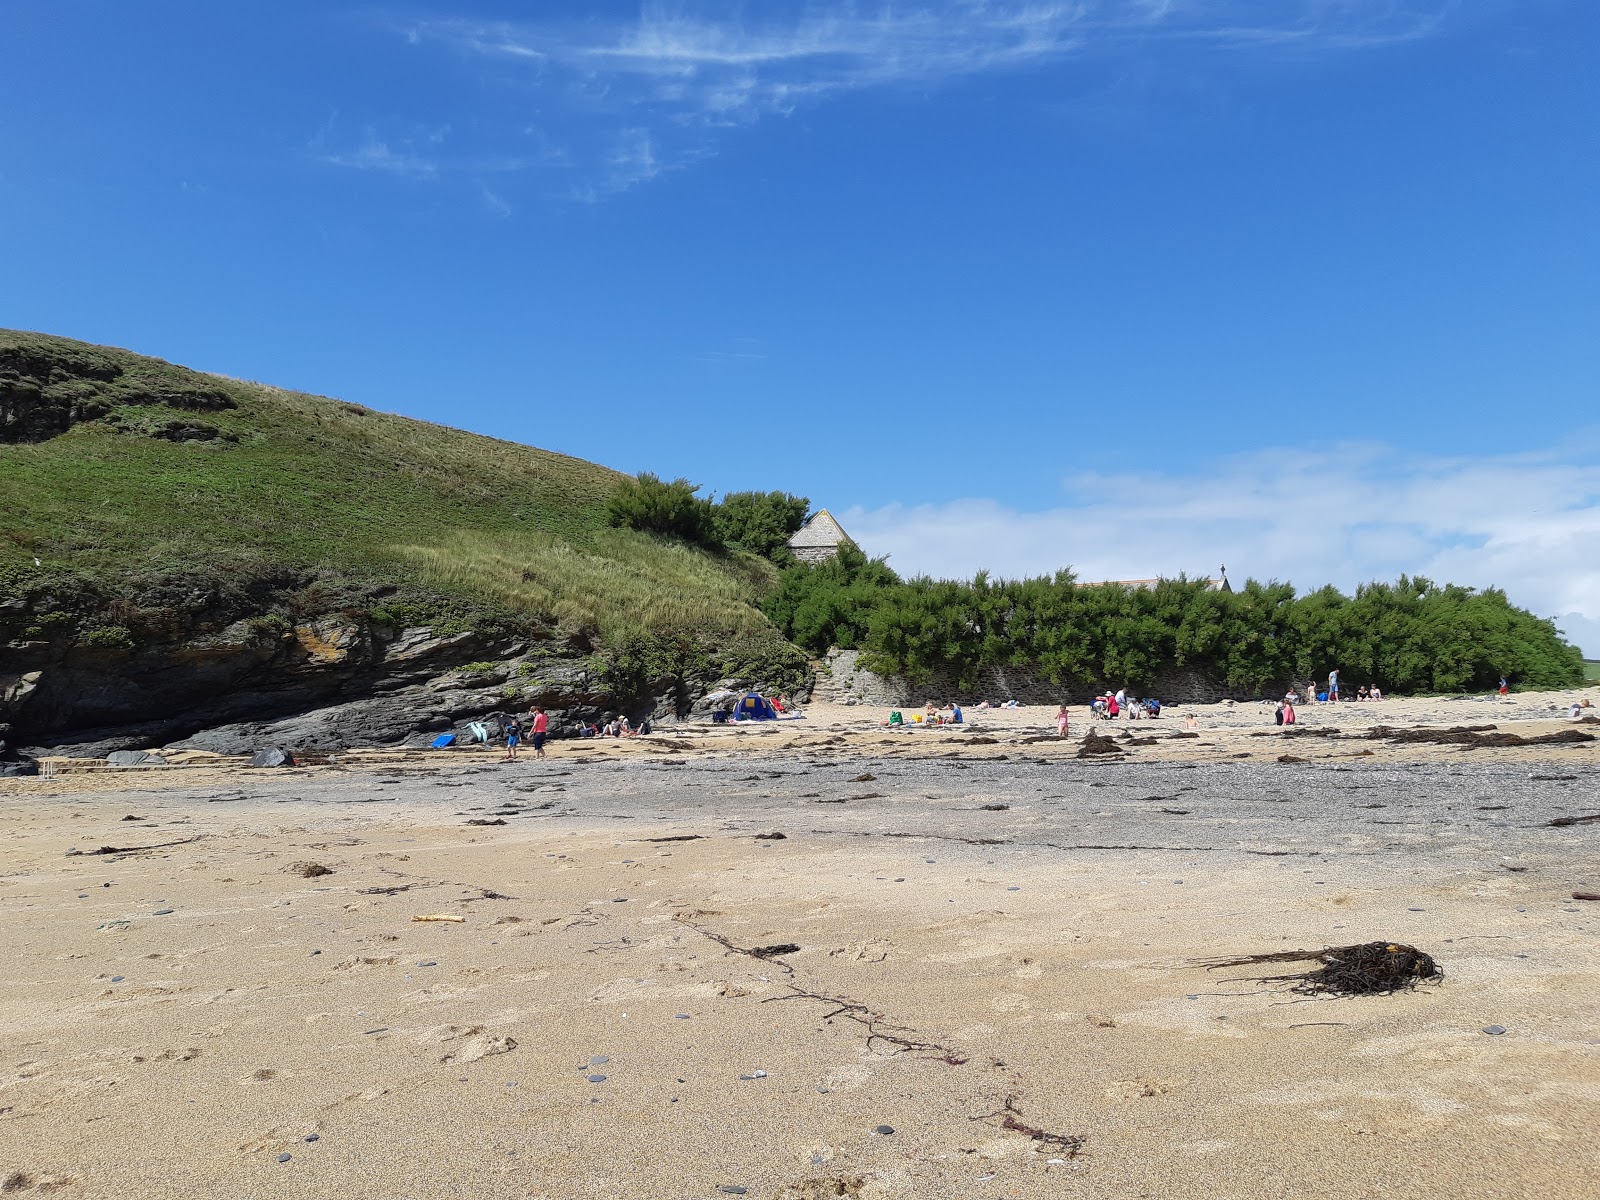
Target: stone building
(819, 538)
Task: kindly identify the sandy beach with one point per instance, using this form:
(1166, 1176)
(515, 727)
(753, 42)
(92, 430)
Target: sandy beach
(220, 984)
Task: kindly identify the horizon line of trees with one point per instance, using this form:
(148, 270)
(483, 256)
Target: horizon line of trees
(1412, 635)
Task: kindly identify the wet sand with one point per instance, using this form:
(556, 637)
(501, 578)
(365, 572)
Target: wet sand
(995, 939)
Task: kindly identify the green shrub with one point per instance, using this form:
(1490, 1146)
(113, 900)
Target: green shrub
(651, 505)
(107, 637)
(760, 522)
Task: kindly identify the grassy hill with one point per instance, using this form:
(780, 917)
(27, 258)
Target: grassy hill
(116, 468)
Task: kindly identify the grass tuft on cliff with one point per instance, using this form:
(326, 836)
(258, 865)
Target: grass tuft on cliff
(114, 465)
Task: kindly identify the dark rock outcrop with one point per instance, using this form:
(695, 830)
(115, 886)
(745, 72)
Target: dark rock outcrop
(45, 393)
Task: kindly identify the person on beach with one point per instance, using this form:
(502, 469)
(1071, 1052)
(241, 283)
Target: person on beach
(513, 737)
(1061, 721)
(541, 730)
(1189, 723)
(1505, 688)
(1333, 686)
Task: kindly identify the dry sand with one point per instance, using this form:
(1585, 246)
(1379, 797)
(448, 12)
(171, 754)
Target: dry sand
(178, 1019)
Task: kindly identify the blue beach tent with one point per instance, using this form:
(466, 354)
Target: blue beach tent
(755, 707)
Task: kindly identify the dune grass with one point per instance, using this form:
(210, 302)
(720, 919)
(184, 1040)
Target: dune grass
(620, 580)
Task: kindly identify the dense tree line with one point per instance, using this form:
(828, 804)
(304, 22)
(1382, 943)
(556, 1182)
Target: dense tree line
(1409, 636)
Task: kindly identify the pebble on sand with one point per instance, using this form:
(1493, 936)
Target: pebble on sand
(884, 1130)
(597, 1079)
(1494, 1030)
(285, 1157)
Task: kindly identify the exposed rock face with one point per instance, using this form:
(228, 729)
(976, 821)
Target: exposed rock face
(43, 396)
(326, 684)
(250, 674)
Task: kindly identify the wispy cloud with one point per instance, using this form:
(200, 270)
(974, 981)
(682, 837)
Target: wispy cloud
(1527, 523)
(640, 97)
(374, 154)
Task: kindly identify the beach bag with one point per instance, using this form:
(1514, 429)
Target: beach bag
(895, 718)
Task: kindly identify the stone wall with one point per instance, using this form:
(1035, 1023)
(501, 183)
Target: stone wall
(843, 679)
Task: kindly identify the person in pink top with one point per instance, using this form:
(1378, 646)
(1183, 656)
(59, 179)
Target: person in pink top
(541, 730)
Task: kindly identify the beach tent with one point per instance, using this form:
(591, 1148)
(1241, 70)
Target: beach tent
(756, 707)
(135, 758)
(443, 740)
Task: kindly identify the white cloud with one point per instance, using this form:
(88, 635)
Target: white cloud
(1527, 523)
(678, 71)
(373, 154)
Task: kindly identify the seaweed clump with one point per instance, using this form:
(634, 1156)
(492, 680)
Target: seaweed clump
(1367, 969)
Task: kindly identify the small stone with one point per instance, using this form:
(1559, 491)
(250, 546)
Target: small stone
(427, 963)
(314, 953)
(1416, 910)
(732, 1189)
(118, 978)
(1494, 1030)
(884, 1130)
(597, 1079)
(313, 1137)
(681, 1016)
(1013, 888)
(619, 900)
(162, 912)
(285, 1157)
(599, 1060)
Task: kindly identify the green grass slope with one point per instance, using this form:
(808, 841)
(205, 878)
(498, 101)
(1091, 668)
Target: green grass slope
(113, 465)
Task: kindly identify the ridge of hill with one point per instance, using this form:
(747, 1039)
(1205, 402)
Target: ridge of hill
(146, 508)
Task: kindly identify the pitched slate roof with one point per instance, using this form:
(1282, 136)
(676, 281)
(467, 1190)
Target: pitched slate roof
(822, 531)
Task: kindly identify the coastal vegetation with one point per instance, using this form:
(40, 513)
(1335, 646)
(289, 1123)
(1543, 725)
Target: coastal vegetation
(1412, 635)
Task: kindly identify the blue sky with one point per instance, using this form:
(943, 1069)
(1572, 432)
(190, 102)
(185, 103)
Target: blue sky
(1309, 287)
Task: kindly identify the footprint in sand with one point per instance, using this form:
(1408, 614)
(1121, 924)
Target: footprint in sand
(1141, 1088)
(354, 964)
(475, 1042)
(25, 1182)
